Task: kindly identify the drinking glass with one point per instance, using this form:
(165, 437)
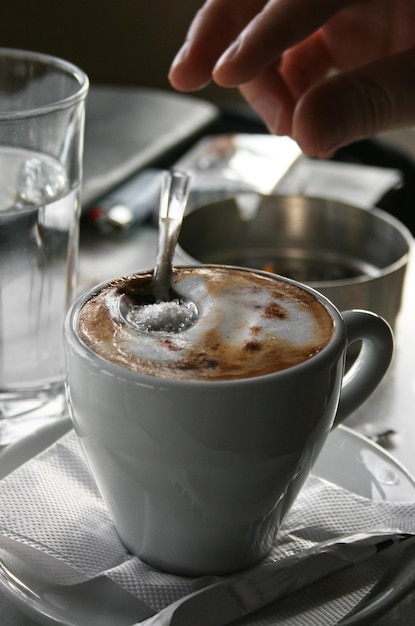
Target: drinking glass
(42, 111)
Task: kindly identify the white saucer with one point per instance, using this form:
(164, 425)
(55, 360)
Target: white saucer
(348, 460)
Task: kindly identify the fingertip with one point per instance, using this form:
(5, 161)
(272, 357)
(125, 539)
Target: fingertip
(184, 81)
(175, 79)
(317, 125)
(223, 77)
(223, 72)
(185, 74)
(177, 73)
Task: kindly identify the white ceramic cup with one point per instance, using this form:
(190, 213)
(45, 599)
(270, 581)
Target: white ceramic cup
(198, 476)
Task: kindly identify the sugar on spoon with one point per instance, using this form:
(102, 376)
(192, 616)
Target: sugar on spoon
(164, 310)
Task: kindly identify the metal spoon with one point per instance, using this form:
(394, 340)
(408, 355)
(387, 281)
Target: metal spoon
(180, 312)
(173, 201)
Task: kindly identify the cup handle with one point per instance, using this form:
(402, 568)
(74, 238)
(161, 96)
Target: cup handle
(371, 363)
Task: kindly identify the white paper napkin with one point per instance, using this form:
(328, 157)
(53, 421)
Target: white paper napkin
(54, 521)
(355, 184)
(223, 165)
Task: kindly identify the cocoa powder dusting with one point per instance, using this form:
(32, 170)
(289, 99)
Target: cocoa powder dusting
(166, 341)
(252, 346)
(274, 311)
(197, 362)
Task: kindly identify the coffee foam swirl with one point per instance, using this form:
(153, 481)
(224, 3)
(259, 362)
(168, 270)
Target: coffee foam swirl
(249, 324)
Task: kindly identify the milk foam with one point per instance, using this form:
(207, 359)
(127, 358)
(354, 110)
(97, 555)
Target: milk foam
(248, 324)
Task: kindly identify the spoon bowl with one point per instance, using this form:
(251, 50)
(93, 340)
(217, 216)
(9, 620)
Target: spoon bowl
(146, 314)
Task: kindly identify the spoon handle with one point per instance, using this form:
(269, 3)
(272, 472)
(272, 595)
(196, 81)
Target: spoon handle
(173, 200)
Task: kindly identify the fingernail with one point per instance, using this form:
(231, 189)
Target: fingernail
(180, 56)
(268, 109)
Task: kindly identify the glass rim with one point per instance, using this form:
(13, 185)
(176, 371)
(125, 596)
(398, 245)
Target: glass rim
(66, 67)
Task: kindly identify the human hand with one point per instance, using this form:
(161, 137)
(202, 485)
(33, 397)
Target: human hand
(327, 73)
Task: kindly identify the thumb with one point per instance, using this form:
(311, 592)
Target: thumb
(358, 104)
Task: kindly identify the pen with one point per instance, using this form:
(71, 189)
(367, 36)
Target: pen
(128, 205)
(234, 597)
(395, 585)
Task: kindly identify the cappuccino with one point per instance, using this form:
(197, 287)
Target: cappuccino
(249, 324)
(197, 454)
